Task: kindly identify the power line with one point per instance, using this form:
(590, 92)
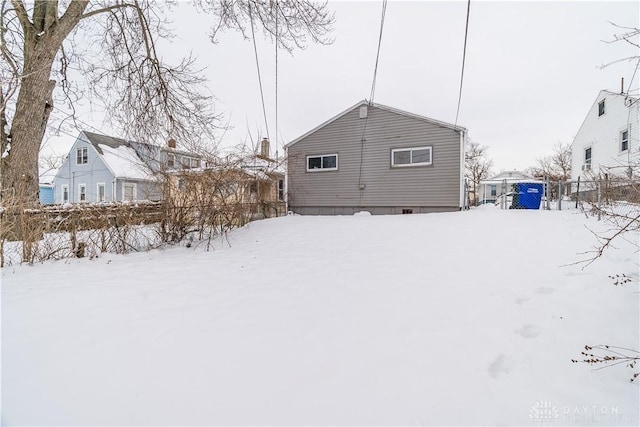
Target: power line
(371, 95)
(276, 140)
(255, 50)
(464, 55)
(375, 69)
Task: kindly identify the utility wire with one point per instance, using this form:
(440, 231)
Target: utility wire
(464, 55)
(375, 69)
(255, 50)
(371, 95)
(276, 140)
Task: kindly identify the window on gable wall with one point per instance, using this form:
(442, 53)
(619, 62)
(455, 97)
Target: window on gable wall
(82, 157)
(416, 156)
(601, 108)
(624, 140)
(326, 162)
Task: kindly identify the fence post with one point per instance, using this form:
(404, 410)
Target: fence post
(578, 192)
(559, 195)
(503, 201)
(547, 194)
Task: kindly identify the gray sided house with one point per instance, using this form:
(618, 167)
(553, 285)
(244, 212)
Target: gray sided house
(376, 158)
(101, 168)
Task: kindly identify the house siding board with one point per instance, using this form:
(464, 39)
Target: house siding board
(96, 171)
(72, 174)
(46, 195)
(602, 134)
(436, 186)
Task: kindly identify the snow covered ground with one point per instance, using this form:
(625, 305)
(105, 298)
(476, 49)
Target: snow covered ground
(440, 319)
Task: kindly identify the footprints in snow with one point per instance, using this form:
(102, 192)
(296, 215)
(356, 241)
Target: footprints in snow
(528, 331)
(545, 291)
(502, 365)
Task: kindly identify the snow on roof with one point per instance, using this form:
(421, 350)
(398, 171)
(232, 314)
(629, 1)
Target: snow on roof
(47, 175)
(512, 181)
(124, 162)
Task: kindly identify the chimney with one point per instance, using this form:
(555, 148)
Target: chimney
(171, 143)
(622, 86)
(264, 148)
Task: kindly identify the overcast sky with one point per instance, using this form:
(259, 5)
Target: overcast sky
(532, 70)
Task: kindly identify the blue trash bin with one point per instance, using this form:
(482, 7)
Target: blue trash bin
(529, 195)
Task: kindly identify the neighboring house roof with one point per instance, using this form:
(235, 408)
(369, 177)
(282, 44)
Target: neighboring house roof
(382, 107)
(511, 177)
(47, 176)
(254, 163)
(119, 156)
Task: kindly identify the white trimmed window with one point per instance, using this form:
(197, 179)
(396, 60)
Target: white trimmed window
(281, 190)
(415, 156)
(82, 157)
(100, 192)
(82, 192)
(194, 163)
(601, 110)
(587, 159)
(65, 194)
(324, 162)
(171, 160)
(624, 140)
(129, 192)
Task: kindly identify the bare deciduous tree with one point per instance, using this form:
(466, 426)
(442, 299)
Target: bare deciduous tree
(556, 166)
(477, 166)
(113, 46)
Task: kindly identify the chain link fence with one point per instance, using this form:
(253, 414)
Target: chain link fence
(598, 196)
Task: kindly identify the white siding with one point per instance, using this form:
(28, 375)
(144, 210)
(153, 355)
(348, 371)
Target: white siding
(602, 134)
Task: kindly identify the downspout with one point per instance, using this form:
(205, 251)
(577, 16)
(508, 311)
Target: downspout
(286, 179)
(463, 138)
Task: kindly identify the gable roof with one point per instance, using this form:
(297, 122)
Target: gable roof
(381, 107)
(119, 156)
(511, 177)
(96, 139)
(607, 94)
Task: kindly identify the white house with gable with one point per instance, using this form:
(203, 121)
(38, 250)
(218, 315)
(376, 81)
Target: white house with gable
(608, 140)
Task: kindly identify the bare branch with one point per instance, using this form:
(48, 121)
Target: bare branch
(288, 22)
(22, 15)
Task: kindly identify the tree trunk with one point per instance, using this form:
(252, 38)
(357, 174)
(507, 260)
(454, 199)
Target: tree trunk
(43, 39)
(20, 166)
